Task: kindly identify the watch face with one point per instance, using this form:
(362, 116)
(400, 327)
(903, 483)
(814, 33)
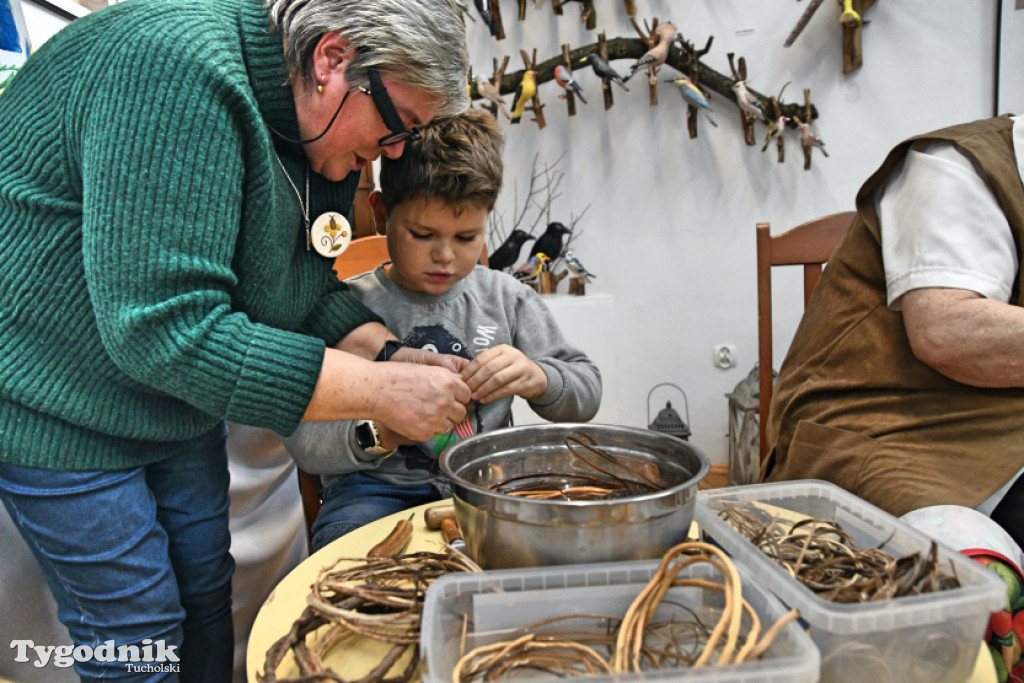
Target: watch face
(364, 435)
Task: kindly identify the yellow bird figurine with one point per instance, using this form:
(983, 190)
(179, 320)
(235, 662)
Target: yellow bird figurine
(525, 91)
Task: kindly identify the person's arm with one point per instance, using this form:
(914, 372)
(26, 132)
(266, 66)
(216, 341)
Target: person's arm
(966, 337)
(570, 389)
(420, 400)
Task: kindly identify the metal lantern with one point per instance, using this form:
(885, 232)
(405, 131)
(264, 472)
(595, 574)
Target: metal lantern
(668, 420)
(744, 435)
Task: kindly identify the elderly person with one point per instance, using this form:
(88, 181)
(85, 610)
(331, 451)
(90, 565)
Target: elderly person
(164, 169)
(905, 380)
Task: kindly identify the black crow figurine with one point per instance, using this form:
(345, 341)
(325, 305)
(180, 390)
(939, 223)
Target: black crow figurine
(551, 241)
(507, 254)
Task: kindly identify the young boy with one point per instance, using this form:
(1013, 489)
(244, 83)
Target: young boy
(434, 201)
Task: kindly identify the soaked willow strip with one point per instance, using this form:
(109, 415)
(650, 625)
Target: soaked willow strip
(577, 485)
(822, 556)
(377, 598)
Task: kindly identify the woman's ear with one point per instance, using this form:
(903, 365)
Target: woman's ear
(380, 213)
(331, 55)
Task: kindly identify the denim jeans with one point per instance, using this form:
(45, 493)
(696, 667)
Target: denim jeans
(357, 499)
(136, 554)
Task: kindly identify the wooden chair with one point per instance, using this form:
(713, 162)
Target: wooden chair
(809, 245)
(363, 254)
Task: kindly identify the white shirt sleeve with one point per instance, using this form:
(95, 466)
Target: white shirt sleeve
(942, 227)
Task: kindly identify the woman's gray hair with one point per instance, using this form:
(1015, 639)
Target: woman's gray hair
(421, 43)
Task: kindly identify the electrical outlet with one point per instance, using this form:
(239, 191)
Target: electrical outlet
(724, 356)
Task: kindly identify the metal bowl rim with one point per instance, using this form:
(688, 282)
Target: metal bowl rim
(692, 482)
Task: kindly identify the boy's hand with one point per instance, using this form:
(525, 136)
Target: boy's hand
(504, 371)
(424, 357)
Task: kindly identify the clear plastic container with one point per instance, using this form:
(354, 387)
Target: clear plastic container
(493, 603)
(931, 637)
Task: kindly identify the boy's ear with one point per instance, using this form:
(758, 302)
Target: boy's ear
(380, 214)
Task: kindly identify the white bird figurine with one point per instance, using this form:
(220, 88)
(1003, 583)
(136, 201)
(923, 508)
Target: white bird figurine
(748, 102)
(576, 267)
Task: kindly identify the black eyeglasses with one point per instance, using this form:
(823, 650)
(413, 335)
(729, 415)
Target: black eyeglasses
(388, 113)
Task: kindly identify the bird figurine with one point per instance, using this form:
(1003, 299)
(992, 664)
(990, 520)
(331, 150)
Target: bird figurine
(526, 89)
(809, 139)
(564, 78)
(604, 70)
(550, 242)
(508, 253)
(776, 128)
(748, 102)
(694, 97)
(532, 268)
(657, 55)
(484, 8)
(576, 268)
(491, 92)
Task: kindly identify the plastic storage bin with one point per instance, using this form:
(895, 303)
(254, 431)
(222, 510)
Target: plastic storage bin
(495, 602)
(931, 637)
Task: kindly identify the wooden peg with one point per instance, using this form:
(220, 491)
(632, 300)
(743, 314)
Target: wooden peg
(650, 40)
(852, 20)
(630, 7)
(739, 73)
(535, 106)
(570, 96)
(606, 86)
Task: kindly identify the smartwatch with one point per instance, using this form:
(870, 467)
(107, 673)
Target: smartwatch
(391, 346)
(368, 438)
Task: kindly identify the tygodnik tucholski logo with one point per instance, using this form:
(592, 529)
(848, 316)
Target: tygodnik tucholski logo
(150, 657)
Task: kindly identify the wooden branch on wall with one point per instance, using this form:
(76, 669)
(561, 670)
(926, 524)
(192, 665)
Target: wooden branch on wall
(632, 49)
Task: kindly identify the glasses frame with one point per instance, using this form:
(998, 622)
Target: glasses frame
(388, 113)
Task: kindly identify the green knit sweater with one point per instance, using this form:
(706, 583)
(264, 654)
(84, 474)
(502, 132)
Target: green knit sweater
(155, 274)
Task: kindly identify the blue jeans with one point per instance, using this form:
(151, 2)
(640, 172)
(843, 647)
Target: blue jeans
(357, 499)
(136, 554)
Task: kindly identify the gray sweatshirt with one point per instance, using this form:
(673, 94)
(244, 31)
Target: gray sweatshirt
(485, 309)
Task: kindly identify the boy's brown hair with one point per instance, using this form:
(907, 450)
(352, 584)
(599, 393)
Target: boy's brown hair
(458, 161)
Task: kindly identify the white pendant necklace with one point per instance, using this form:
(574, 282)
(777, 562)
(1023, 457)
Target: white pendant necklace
(330, 234)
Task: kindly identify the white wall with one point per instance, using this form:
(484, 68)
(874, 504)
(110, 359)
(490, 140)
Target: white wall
(670, 229)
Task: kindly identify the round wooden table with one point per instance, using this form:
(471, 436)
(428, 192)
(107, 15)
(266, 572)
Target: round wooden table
(288, 600)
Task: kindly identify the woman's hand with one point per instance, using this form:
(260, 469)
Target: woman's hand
(503, 371)
(419, 401)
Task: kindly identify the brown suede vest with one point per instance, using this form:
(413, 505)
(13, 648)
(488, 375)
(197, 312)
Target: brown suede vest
(854, 406)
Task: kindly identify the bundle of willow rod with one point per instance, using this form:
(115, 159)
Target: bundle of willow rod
(602, 484)
(632, 650)
(823, 557)
(378, 598)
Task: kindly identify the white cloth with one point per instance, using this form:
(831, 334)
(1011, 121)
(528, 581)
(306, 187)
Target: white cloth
(952, 231)
(268, 532)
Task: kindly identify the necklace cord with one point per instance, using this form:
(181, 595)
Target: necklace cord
(330, 123)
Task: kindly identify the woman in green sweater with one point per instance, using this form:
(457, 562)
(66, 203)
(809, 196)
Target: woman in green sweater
(169, 170)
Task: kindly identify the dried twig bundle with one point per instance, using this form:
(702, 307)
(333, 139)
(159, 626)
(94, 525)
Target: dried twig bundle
(378, 598)
(823, 557)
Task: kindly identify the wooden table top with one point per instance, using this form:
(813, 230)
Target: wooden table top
(288, 600)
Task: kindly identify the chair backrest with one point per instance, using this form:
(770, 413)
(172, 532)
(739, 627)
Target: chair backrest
(809, 245)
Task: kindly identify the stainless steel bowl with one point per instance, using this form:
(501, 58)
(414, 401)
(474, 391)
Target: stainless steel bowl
(502, 530)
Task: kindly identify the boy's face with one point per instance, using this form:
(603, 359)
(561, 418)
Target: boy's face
(431, 247)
